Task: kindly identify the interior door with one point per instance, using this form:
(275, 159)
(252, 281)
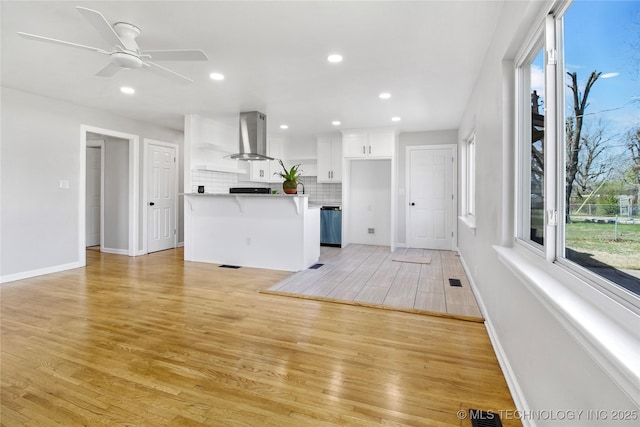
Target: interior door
(161, 191)
(430, 198)
(93, 195)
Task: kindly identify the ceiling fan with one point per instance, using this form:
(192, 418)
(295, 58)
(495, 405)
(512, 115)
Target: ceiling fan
(125, 52)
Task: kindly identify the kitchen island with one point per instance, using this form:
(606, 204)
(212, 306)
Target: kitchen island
(278, 232)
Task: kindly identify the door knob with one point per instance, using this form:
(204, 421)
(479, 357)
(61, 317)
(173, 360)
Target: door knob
(413, 204)
(151, 204)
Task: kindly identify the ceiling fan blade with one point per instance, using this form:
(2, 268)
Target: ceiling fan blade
(60, 42)
(177, 55)
(102, 26)
(165, 72)
(108, 71)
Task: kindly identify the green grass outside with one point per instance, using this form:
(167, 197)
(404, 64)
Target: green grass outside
(599, 241)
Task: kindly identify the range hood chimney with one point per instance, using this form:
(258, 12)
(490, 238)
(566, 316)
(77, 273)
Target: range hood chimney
(253, 137)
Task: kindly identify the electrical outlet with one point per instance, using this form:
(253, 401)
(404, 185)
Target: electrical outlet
(371, 230)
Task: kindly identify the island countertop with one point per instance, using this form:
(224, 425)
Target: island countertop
(269, 196)
(274, 231)
(243, 195)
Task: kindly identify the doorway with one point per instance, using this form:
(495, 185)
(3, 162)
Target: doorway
(430, 214)
(124, 190)
(94, 192)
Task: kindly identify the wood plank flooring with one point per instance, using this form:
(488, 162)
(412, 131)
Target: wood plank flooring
(157, 341)
(368, 275)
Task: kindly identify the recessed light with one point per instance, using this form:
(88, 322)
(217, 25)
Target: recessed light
(335, 58)
(284, 126)
(127, 90)
(395, 119)
(384, 95)
(216, 76)
(336, 123)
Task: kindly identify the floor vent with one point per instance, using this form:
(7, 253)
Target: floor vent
(455, 282)
(315, 266)
(484, 418)
(235, 267)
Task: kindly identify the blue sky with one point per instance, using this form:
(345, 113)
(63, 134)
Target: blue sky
(603, 35)
(600, 35)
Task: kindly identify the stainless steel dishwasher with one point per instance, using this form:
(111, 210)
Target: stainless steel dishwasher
(331, 226)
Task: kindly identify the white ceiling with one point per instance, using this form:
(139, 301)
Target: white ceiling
(426, 54)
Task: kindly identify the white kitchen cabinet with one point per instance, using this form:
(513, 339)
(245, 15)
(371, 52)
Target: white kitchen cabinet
(330, 158)
(369, 143)
(263, 170)
(259, 171)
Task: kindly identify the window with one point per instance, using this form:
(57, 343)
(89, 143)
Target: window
(469, 181)
(579, 144)
(531, 81)
(471, 176)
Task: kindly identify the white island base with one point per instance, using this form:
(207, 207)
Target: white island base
(277, 232)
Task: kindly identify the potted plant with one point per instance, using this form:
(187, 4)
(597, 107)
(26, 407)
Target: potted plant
(291, 177)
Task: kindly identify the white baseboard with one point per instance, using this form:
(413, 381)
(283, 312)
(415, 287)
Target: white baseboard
(115, 251)
(507, 371)
(39, 272)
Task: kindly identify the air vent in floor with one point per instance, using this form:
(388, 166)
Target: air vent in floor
(315, 266)
(455, 282)
(229, 266)
(484, 418)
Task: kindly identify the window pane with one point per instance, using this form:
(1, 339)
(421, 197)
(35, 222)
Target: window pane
(536, 210)
(471, 176)
(602, 162)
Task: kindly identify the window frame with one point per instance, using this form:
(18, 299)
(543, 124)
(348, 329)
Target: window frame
(523, 138)
(468, 181)
(549, 36)
(470, 195)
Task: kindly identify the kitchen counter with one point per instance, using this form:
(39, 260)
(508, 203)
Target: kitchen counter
(274, 231)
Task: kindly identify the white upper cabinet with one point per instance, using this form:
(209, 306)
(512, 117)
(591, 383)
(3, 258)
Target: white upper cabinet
(330, 158)
(374, 143)
(263, 170)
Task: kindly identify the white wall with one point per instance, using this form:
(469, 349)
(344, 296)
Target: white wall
(116, 195)
(546, 365)
(370, 202)
(40, 145)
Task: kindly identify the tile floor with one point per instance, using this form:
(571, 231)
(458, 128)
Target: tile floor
(368, 275)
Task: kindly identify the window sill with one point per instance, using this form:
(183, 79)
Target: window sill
(608, 331)
(469, 221)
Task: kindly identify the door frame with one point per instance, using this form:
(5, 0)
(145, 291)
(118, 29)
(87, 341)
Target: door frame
(134, 142)
(101, 145)
(454, 188)
(145, 194)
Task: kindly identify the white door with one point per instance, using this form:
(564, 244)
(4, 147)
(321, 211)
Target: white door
(93, 193)
(161, 224)
(430, 198)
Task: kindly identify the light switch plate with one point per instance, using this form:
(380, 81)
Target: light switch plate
(64, 183)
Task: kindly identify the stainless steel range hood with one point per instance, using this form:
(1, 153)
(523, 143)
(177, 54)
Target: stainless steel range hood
(253, 137)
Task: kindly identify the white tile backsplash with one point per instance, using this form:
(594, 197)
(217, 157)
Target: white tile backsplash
(220, 182)
(321, 193)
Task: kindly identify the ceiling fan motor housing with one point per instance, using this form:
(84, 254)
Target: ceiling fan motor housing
(126, 60)
(128, 34)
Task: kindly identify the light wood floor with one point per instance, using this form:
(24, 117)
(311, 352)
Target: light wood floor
(368, 275)
(156, 341)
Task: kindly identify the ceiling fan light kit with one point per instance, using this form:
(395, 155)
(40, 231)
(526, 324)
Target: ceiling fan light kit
(125, 52)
